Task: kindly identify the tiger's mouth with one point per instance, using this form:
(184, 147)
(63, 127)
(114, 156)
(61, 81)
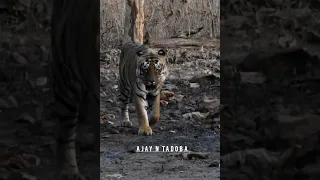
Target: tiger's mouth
(150, 86)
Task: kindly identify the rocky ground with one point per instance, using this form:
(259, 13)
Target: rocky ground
(189, 117)
(270, 90)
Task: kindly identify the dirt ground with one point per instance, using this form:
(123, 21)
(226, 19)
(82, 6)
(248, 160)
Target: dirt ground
(189, 118)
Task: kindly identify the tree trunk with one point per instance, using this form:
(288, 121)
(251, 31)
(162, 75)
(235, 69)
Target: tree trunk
(127, 21)
(134, 21)
(140, 20)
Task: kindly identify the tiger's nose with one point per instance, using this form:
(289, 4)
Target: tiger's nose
(151, 83)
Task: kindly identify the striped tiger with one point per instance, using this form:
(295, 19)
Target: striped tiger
(142, 72)
(75, 72)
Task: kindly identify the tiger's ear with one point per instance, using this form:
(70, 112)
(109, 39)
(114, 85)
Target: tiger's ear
(139, 53)
(162, 52)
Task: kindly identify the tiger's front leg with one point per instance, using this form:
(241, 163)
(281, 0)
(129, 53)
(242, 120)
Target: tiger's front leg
(141, 105)
(154, 116)
(124, 112)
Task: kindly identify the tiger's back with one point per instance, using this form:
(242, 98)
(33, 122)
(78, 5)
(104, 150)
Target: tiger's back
(128, 64)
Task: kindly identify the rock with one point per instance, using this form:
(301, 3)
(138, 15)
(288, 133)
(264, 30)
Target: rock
(41, 81)
(26, 117)
(48, 124)
(19, 58)
(248, 123)
(235, 21)
(210, 104)
(280, 63)
(132, 151)
(45, 89)
(195, 155)
(170, 87)
(215, 164)
(313, 36)
(203, 79)
(108, 57)
(117, 161)
(194, 85)
(194, 115)
(313, 170)
(106, 136)
(177, 98)
(295, 127)
(114, 131)
(240, 157)
(172, 78)
(287, 41)
(114, 176)
(252, 77)
(189, 108)
(212, 63)
(189, 64)
(8, 102)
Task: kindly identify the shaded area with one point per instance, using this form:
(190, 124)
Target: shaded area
(27, 132)
(269, 91)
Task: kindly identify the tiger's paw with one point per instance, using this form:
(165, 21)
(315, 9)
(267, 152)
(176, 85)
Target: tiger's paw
(145, 131)
(126, 123)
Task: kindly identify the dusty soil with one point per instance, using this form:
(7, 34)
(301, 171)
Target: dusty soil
(199, 132)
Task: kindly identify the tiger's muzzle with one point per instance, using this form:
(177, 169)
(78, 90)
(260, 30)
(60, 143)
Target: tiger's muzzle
(151, 85)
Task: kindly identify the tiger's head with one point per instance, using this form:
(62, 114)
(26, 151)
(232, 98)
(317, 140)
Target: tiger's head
(151, 68)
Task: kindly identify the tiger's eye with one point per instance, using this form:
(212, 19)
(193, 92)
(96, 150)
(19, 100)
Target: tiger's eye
(161, 52)
(139, 53)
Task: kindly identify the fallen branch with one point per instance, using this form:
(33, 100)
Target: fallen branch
(180, 42)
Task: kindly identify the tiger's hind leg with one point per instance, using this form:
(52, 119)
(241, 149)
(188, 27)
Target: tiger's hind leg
(67, 101)
(154, 115)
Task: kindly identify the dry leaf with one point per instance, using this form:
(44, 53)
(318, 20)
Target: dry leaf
(19, 58)
(26, 117)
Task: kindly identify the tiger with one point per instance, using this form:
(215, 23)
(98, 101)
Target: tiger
(142, 72)
(75, 59)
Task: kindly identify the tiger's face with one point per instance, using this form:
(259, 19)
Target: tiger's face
(151, 69)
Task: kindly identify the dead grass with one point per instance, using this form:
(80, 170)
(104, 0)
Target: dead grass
(163, 19)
